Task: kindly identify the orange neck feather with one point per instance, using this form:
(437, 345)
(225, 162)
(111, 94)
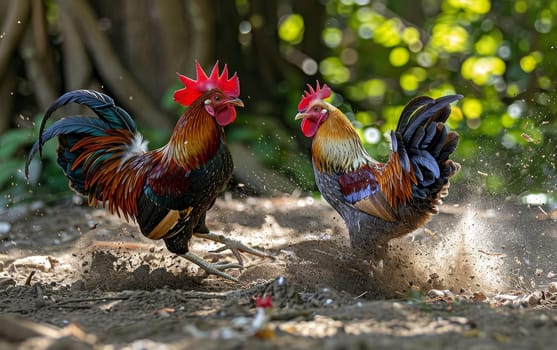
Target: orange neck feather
(195, 139)
(336, 146)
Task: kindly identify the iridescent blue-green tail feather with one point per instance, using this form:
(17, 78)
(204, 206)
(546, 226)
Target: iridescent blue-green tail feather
(72, 129)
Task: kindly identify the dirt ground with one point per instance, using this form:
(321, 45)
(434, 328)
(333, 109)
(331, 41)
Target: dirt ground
(477, 277)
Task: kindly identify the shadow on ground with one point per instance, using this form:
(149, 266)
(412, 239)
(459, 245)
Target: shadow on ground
(471, 277)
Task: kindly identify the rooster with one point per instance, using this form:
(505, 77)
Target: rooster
(381, 201)
(167, 191)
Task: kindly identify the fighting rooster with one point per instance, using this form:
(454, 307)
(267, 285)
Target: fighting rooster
(381, 201)
(168, 190)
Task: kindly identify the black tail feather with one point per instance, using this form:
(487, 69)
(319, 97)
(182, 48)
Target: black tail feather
(423, 138)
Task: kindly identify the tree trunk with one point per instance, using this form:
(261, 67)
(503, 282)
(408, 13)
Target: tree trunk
(13, 27)
(78, 72)
(156, 39)
(39, 61)
(121, 83)
(7, 88)
(14, 15)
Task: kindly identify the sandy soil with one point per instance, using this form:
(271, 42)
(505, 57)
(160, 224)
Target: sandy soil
(475, 278)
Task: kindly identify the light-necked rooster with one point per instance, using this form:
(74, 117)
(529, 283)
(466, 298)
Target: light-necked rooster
(381, 201)
(167, 191)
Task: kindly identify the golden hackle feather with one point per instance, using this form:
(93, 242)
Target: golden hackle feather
(336, 146)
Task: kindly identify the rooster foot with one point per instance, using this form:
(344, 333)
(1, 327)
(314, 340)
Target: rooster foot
(213, 268)
(236, 247)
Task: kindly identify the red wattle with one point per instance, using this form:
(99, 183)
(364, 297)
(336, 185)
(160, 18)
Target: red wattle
(226, 116)
(309, 127)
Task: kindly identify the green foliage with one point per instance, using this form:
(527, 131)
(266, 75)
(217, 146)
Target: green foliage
(377, 55)
(14, 145)
(11, 143)
(500, 55)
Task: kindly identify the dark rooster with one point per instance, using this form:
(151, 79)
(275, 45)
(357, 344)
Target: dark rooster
(167, 191)
(381, 201)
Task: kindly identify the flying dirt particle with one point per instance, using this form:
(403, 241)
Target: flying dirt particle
(543, 211)
(489, 253)
(165, 311)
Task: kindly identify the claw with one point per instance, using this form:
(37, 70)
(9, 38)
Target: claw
(236, 247)
(213, 268)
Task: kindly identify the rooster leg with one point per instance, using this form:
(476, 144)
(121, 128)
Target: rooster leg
(235, 246)
(212, 268)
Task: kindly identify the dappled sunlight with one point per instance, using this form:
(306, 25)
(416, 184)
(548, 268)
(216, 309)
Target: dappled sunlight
(291, 28)
(372, 89)
(411, 79)
(482, 70)
(334, 70)
(479, 272)
(467, 38)
(479, 7)
(529, 62)
(449, 38)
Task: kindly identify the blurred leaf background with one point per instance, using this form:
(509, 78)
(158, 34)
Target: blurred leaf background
(376, 55)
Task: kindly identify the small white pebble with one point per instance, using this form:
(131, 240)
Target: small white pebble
(435, 293)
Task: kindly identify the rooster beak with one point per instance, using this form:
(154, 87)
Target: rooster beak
(236, 102)
(300, 116)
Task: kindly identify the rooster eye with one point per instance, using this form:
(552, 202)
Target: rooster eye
(217, 98)
(315, 109)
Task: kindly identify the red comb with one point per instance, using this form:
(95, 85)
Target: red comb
(309, 96)
(195, 88)
(264, 302)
